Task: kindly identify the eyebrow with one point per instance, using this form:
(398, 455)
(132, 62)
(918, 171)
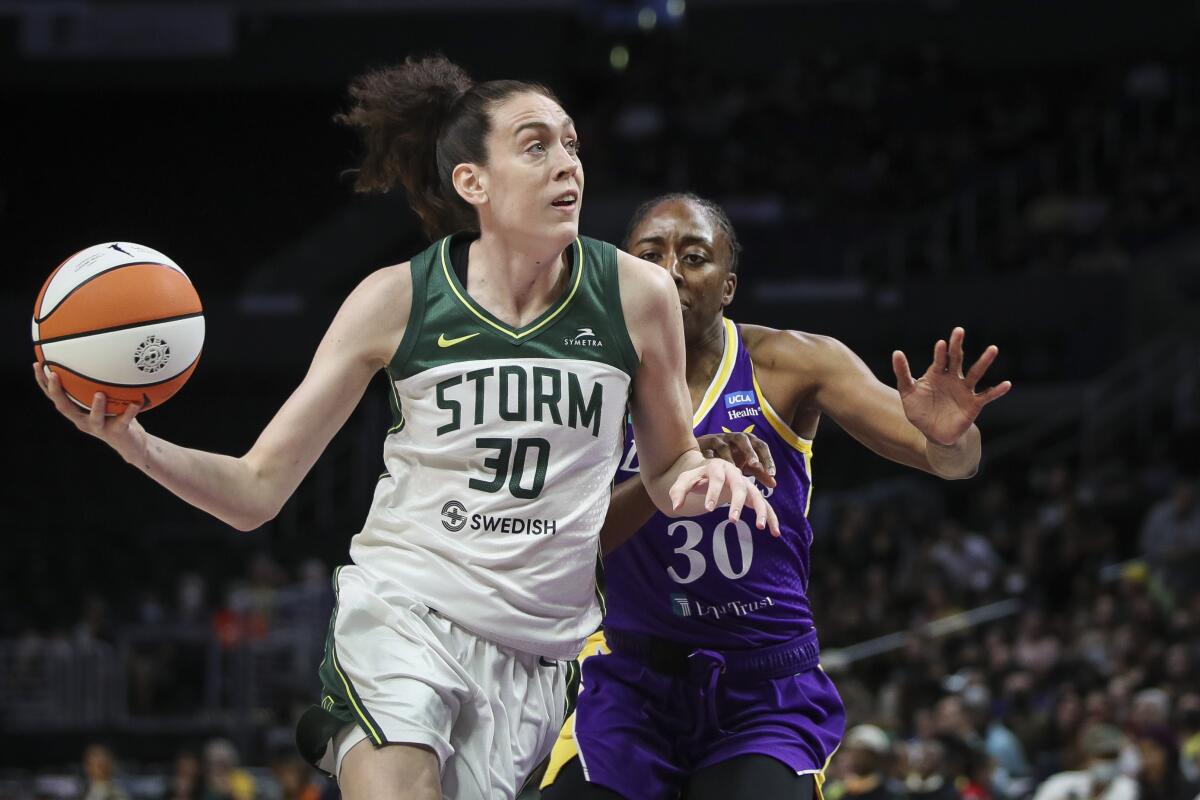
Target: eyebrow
(683, 240)
(568, 123)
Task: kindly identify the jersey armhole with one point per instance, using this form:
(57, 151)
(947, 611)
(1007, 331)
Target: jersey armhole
(416, 316)
(795, 440)
(612, 297)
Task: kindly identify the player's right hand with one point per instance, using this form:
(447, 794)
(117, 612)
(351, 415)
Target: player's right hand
(122, 432)
(722, 483)
(744, 450)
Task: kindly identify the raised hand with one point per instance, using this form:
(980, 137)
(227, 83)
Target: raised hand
(942, 403)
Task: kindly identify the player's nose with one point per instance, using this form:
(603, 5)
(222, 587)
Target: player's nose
(675, 269)
(567, 165)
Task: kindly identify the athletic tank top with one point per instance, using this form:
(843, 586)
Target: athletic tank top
(708, 581)
(500, 461)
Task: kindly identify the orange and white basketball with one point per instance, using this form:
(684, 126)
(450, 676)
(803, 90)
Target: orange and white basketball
(122, 319)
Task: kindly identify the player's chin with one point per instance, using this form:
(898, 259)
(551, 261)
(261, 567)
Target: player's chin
(563, 227)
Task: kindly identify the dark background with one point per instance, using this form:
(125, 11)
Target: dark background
(1029, 170)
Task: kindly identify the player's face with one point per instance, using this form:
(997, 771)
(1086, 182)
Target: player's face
(681, 237)
(533, 178)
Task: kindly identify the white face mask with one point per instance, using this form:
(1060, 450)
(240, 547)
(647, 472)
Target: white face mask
(1103, 771)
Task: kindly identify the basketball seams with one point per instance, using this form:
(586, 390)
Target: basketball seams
(87, 377)
(92, 260)
(115, 328)
(117, 398)
(85, 282)
(37, 304)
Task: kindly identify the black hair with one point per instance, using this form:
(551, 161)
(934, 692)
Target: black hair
(710, 207)
(417, 122)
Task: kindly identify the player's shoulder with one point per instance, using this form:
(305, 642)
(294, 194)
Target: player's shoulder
(645, 286)
(378, 307)
(385, 286)
(775, 347)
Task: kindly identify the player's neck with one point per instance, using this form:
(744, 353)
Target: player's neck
(514, 280)
(704, 353)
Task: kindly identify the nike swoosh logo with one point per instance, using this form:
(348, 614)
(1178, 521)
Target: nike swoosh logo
(444, 342)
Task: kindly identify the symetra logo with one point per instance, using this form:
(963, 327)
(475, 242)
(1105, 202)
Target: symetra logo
(585, 337)
(734, 399)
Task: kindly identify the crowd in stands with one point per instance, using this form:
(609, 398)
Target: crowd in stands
(1088, 690)
(1050, 171)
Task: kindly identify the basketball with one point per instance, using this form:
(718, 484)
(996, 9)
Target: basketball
(122, 319)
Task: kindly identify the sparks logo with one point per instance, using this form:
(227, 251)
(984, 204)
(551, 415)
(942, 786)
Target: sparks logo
(734, 399)
(585, 337)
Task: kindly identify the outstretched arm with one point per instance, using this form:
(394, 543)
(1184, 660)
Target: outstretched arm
(926, 423)
(679, 480)
(248, 491)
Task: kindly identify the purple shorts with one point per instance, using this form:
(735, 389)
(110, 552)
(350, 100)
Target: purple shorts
(641, 733)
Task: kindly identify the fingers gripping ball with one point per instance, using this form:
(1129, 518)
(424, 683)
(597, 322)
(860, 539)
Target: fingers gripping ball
(121, 319)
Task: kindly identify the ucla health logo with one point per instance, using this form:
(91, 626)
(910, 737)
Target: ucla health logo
(735, 399)
(742, 398)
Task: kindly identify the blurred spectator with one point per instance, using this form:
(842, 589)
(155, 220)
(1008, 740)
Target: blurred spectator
(864, 760)
(99, 771)
(1170, 536)
(1159, 776)
(295, 777)
(223, 779)
(186, 781)
(966, 559)
(1188, 729)
(1100, 778)
(928, 776)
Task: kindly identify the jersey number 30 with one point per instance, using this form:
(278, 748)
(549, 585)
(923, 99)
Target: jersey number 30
(696, 564)
(517, 452)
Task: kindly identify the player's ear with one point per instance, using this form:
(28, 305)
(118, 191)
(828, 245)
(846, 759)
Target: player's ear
(470, 183)
(728, 289)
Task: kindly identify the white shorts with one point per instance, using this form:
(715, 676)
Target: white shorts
(490, 713)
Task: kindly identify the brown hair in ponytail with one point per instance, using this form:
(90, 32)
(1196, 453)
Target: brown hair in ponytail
(418, 121)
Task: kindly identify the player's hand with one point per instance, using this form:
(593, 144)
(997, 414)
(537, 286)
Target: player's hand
(721, 482)
(943, 404)
(121, 432)
(744, 450)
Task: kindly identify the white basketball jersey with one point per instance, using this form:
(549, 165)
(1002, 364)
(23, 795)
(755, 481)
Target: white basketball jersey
(500, 465)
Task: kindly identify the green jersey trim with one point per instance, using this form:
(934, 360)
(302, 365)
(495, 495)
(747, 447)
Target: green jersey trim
(545, 319)
(416, 318)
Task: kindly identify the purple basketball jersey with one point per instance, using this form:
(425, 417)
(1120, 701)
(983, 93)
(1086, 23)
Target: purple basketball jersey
(708, 581)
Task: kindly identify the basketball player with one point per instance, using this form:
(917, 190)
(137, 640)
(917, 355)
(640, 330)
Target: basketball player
(511, 347)
(712, 687)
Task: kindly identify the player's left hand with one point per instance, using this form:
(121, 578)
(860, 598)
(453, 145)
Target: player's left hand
(943, 404)
(721, 482)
